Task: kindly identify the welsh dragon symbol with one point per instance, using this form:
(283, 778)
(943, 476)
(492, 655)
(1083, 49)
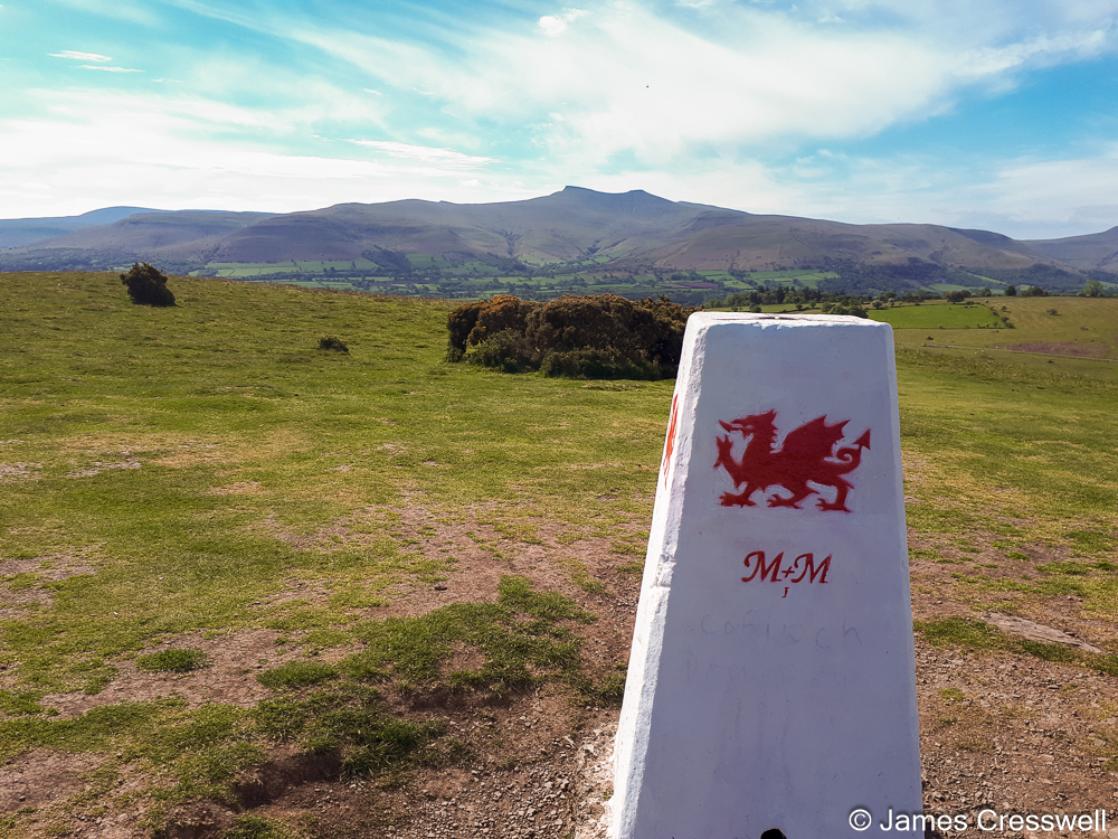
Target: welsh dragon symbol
(807, 456)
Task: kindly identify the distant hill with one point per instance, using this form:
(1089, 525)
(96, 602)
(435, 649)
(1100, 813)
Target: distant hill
(1094, 252)
(573, 231)
(15, 232)
(181, 239)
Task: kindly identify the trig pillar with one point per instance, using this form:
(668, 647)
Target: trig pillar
(771, 688)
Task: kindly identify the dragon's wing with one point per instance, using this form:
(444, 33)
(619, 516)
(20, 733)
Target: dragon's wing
(813, 440)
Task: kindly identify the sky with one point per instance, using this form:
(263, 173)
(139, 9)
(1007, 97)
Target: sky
(997, 114)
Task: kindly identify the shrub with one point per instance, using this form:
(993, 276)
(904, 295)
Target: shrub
(328, 342)
(505, 350)
(851, 308)
(174, 660)
(147, 286)
(604, 336)
(590, 363)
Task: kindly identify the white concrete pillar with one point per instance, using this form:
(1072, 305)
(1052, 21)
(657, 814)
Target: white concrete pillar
(771, 682)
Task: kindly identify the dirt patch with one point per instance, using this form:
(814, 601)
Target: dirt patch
(552, 557)
(50, 567)
(191, 453)
(99, 466)
(239, 488)
(42, 777)
(234, 660)
(1068, 348)
(1014, 733)
(523, 777)
(300, 591)
(175, 452)
(1003, 731)
(949, 582)
(19, 602)
(12, 472)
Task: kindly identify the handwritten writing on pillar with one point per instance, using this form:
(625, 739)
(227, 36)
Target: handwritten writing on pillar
(776, 570)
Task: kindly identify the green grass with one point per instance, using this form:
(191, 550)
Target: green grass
(209, 473)
(177, 660)
(297, 674)
(938, 316)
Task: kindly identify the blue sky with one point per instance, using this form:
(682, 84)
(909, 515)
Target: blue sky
(1000, 114)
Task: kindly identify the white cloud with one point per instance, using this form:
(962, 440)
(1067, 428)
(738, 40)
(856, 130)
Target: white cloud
(555, 25)
(78, 55)
(1045, 198)
(95, 149)
(628, 80)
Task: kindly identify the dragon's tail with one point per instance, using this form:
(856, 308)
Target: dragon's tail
(851, 456)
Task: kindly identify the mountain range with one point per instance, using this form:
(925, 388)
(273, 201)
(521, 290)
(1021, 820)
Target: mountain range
(573, 230)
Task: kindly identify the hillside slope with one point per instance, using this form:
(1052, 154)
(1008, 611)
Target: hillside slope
(183, 238)
(1093, 252)
(17, 232)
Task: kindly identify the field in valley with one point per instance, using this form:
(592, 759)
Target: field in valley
(252, 588)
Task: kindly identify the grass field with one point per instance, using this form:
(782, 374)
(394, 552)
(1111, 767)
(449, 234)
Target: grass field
(223, 550)
(938, 316)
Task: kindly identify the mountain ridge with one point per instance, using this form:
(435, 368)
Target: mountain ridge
(583, 229)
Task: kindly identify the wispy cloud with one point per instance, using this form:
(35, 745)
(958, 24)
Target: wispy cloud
(425, 154)
(129, 11)
(186, 151)
(109, 68)
(628, 80)
(100, 62)
(78, 55)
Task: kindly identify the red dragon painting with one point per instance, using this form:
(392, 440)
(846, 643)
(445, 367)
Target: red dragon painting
(807, 456)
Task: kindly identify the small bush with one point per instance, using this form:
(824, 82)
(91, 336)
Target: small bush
(332, 344)
(147, 286)
(851, 308)
(603, 336)
(174, 660)
(297, 674)
(505, 350)
(596, 364)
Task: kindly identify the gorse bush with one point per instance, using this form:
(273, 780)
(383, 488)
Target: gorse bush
(596, 337)
(147, 286)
